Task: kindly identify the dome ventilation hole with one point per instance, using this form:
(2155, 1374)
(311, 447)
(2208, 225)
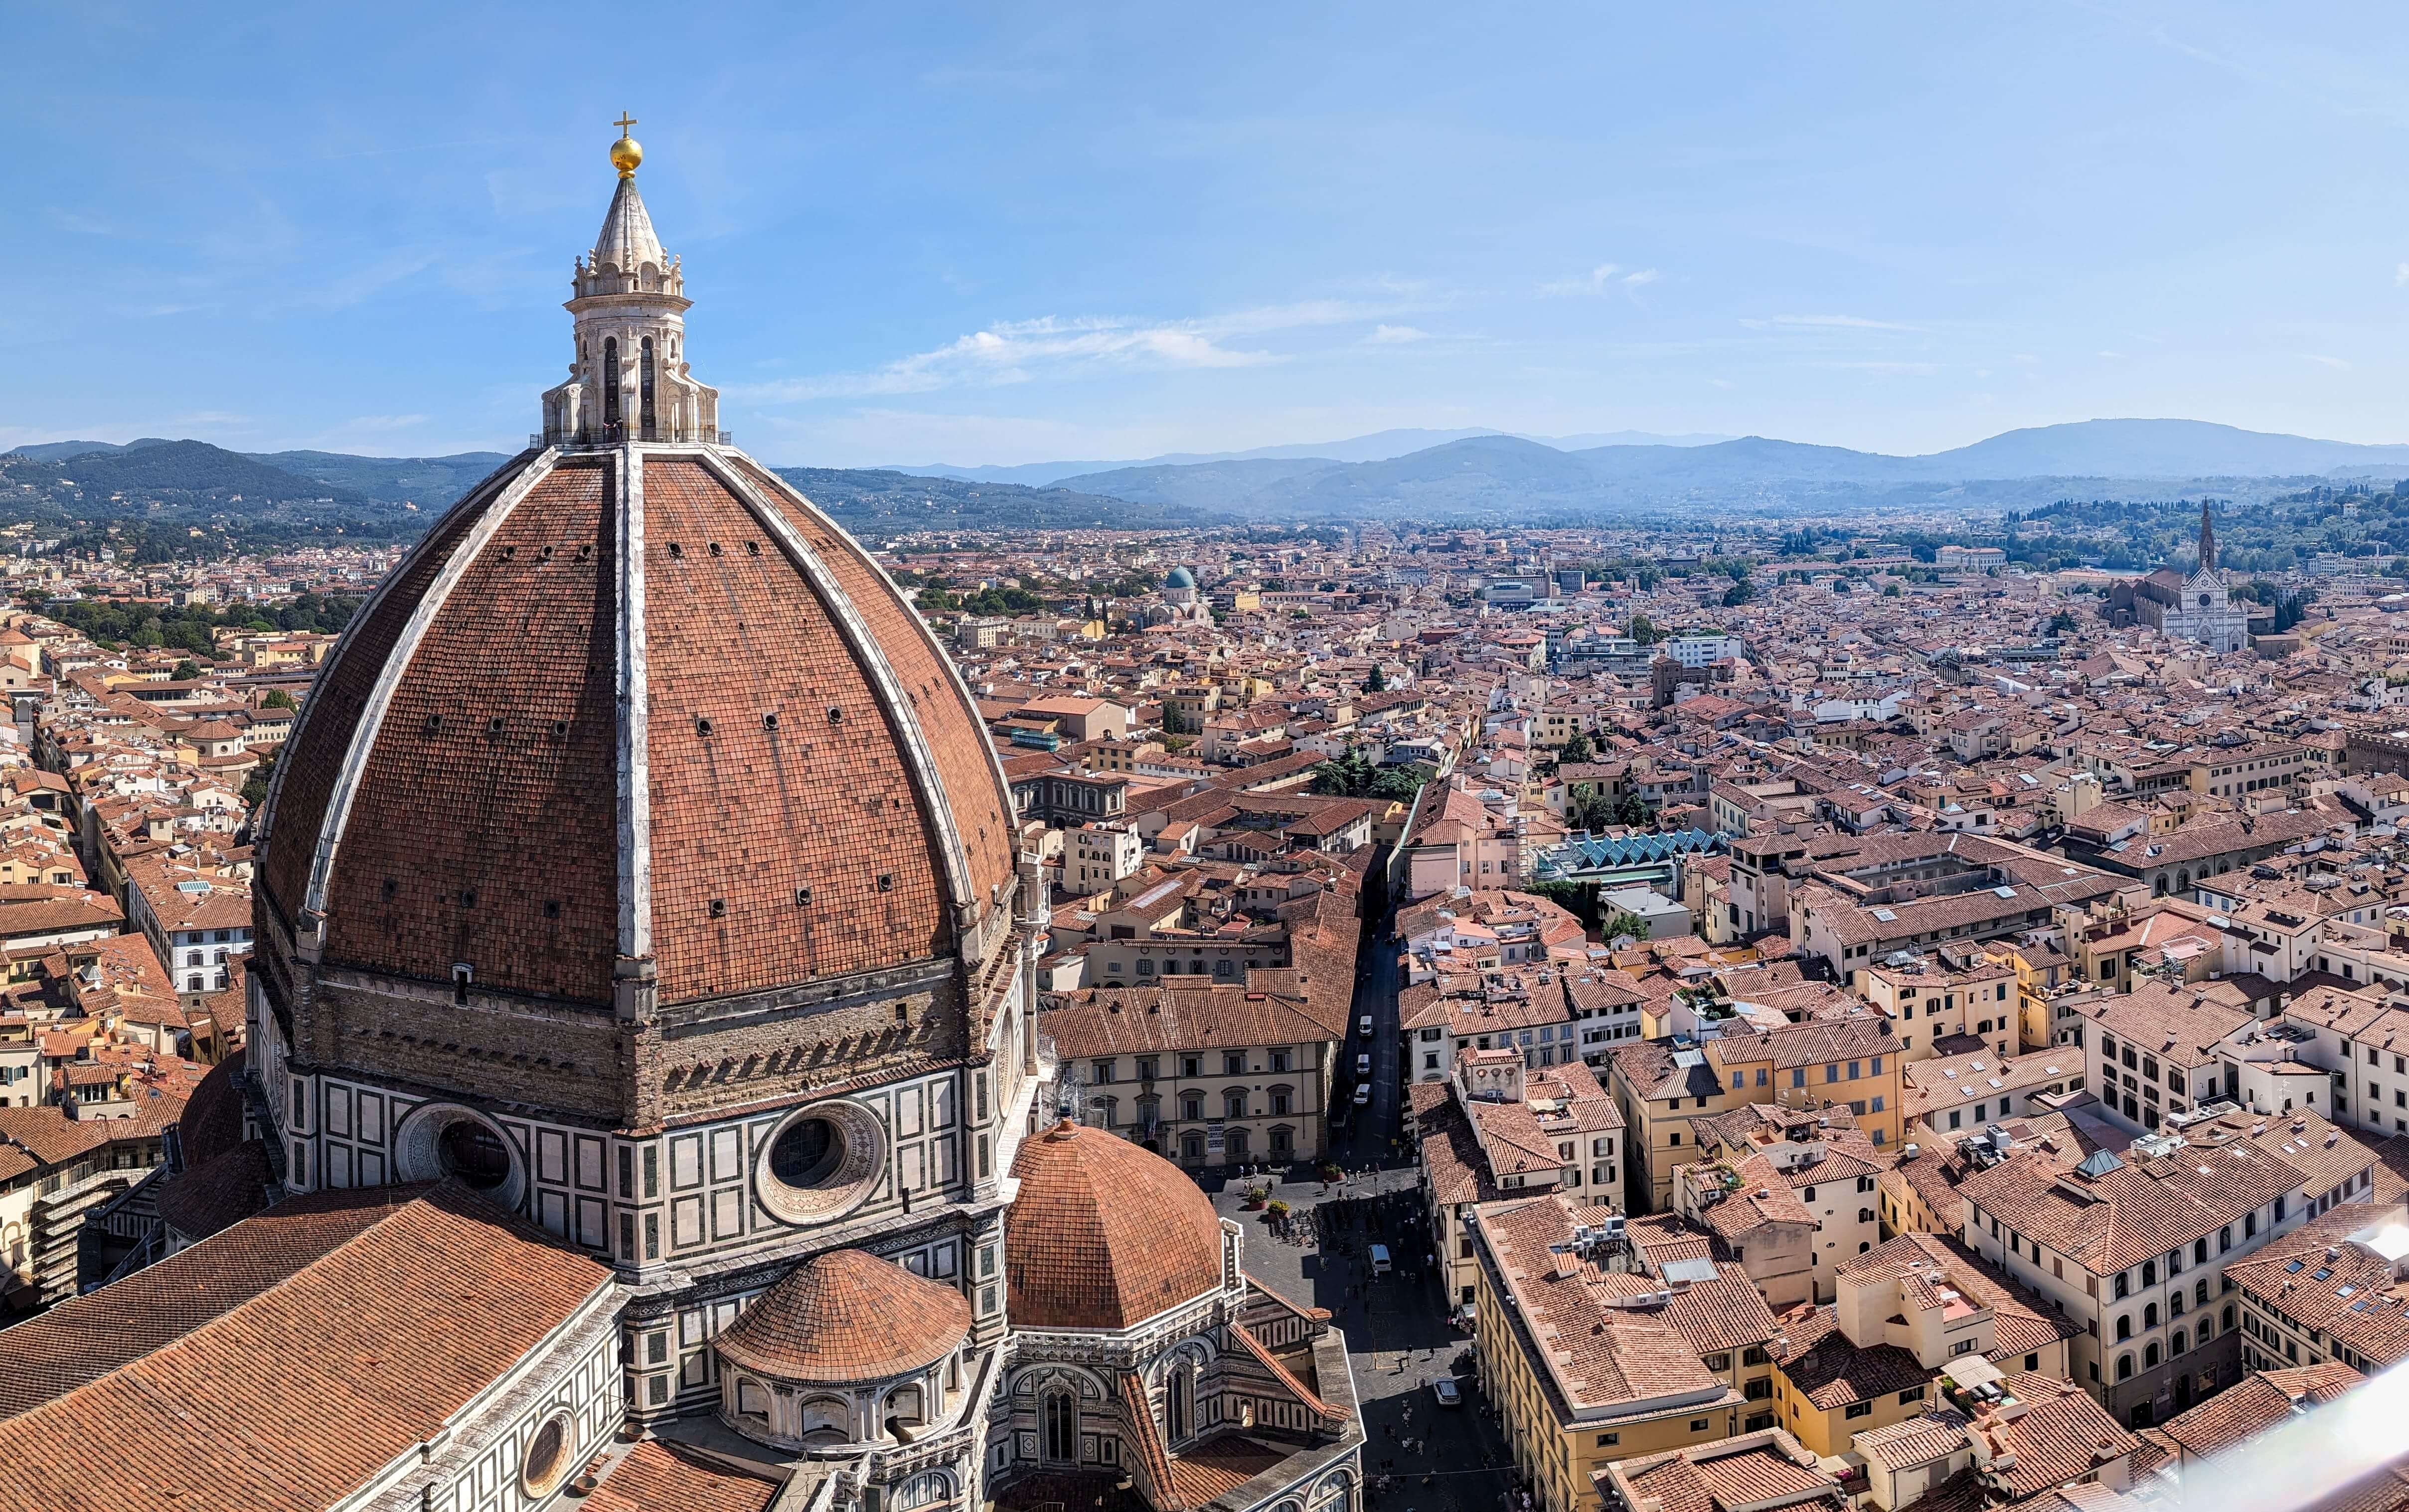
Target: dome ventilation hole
(559, 728)
(434, 724)
(719, 908)
(546, 553)
(886, 881)
(714, 548)
(752, 548)
(585, 553)
(391, 887)
(836, 715)
(552, 908)
(469, 897)
(769, 721)
(508, 553)
(494, 725)
(802, 897)
(677, 553)
(701, 725)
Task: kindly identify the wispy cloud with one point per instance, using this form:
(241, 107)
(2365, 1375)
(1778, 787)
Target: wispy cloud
(1852, 322)
(2401, 275)
(1596, 280)
(1019, 352)
(1384, 335)
(1645, 275)
(1920, 369)
(2329, 362)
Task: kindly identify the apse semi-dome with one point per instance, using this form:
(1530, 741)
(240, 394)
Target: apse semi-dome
(635, 731)
(1103, 1234)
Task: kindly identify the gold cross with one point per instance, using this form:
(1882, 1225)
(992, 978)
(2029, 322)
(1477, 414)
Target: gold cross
(623, 121)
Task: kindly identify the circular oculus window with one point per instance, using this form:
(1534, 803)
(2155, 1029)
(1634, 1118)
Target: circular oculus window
(444, 1140)
(821, 1161)
(547, 1461)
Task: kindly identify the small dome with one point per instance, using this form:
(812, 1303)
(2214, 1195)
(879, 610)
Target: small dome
(845, 1318)
(1180, 578)
(1103, 1234)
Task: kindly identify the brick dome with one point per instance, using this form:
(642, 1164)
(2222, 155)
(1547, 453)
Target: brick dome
(847, 1317)
(635, 711)
(1103, 1234)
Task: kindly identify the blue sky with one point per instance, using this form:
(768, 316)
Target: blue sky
(1000, 233)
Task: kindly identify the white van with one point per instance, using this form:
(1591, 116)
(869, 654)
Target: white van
(1379, 1260)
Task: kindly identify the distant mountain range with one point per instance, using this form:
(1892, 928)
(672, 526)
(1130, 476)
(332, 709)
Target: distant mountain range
(1393, 474)
(1378, 447)
(1497, 473)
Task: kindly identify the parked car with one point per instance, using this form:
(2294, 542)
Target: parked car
(1363, 1093)
(1363, 1026)
(1379, 1260)
(1364, 1064)
(1448, 1392)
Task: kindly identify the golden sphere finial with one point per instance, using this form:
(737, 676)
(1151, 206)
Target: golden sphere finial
(626, 152)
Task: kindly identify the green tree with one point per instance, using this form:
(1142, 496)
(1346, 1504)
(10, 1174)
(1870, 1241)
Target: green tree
(1890, 590)
(1376, 683)
(1577, 750)
(1620, 923)
(1350, 774)
(1398, 782)
(278, 699)
(2062, 622)
(1644, 631)
(186, 671)
(1739, 593)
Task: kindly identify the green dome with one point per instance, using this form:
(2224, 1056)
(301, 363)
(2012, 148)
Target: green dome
(1180, 578)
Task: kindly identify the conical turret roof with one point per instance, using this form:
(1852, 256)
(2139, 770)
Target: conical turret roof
(628, 241)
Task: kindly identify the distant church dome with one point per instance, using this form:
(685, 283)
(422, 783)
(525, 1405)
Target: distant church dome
(1179, 577)
(1103, 1234)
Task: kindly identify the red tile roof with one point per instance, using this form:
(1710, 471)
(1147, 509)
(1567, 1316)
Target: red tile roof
(1104, 1233)
(656, 1476)
(848, 1316)
(337, 1330)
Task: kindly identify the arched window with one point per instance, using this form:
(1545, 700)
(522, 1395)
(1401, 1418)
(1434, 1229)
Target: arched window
(827, 1420)
(644, 385)
(2124, 1367)
(2149, 1355)
(2125, 1326)
(2179, 1344)
(610, 380)
(751, 1401)
(2150, 1268)
(2150, 1316)
(1057, 1413)
(903, 1408)
(924, 1491)
(1176, 1412)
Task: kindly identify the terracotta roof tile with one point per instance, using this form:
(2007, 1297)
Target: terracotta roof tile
(1104, 1233)
(848, 1316)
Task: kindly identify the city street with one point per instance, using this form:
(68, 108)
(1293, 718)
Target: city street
(1397, 1336)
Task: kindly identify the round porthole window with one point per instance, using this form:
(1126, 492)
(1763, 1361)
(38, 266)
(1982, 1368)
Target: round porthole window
(821, 1161)
(444, 1141)
(547, 1461)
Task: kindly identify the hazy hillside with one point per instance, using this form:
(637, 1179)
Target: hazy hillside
(1498, 474)
(426, 481)
(876, 501)
(58, 451)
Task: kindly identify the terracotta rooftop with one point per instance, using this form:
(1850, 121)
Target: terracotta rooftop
(1104, 1233)
(848, 1316)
